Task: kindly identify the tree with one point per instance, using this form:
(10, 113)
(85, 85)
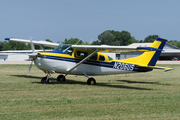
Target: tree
(12, 45)
(140, 41)
(97, 42)
(133, 40)
(45, 47)
(1, 45)
(48, 40)
(178, 44)
(111, 37)
(17, 45)
(106, 38)
(150, 38)
(175, 43)
(125, 38)
(6, 46)
(73, 41)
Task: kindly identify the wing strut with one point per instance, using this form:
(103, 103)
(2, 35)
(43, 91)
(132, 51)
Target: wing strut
(69, 70)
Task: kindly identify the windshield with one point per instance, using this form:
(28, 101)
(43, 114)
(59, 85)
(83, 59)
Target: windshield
(61, 47)
(64, 48)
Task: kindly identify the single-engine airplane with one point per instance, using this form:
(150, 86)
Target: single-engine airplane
(88, 60)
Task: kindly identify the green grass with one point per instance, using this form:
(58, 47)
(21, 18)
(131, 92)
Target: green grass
(151, 95)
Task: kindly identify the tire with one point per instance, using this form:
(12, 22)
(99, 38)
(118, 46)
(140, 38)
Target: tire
(43, 80)
(91, 81)
(61, 78)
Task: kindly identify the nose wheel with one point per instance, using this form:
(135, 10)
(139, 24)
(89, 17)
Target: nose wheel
(45, 80)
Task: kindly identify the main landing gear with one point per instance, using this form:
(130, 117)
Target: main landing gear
(61, 78)
(45, 80)
(90, 81)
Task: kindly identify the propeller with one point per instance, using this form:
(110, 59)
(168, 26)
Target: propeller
(33, 55)
(30, 67)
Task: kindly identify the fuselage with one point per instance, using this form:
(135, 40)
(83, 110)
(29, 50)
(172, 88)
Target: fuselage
(63, 58)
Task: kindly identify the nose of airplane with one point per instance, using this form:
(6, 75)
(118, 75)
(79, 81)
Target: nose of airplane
(44, 65)
(33, 55)
(37, 60)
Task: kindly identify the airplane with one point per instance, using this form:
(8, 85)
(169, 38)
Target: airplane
(88, 60)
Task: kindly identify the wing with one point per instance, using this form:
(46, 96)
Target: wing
(119, 49)
(44, 43)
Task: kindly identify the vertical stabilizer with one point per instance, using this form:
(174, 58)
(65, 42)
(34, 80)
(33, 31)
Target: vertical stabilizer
(148, 58)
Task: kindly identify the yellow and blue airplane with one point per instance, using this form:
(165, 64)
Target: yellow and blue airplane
(88, 60)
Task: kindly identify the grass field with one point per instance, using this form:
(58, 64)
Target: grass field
(151, 95)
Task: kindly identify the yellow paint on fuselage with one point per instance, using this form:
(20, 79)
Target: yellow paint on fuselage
(73, 56)
(144, 58)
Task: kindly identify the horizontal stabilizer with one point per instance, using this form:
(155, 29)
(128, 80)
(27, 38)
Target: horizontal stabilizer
(157, 67)
(149, 48)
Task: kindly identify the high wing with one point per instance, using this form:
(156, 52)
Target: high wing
(101, 48)
(106, 48)
(119, 49)
(44, 43)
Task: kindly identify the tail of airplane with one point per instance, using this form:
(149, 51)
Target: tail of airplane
(148, 58)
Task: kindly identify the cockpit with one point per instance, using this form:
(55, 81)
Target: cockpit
(64, 48)
(80, 53)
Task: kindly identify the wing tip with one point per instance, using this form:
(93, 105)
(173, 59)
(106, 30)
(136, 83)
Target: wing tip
(7, 38)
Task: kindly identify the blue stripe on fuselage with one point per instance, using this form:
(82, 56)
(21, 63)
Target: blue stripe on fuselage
(120, 66)
(54, 51)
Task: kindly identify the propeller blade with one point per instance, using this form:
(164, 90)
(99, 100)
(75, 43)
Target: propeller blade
(32, 45)
(30, 66)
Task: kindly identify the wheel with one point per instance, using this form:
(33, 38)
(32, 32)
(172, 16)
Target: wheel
(61, 78)
(44, 81)
(91, 81)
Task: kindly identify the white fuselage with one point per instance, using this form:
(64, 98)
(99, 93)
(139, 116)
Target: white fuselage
(89, 67)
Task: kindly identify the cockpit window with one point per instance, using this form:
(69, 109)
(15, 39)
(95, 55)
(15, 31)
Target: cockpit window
(64, 48)
(61, 47)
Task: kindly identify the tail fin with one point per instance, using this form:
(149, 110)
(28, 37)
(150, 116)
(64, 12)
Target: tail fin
(148, 58)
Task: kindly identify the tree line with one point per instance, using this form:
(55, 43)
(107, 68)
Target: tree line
(108, 37)
(12, 45)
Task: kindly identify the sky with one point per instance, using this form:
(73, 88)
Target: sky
(58, 20)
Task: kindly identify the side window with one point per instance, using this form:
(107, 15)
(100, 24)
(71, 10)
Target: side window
(81, 54)
(94, 57)
(110, 58)
(118, 56)
(101, 58)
